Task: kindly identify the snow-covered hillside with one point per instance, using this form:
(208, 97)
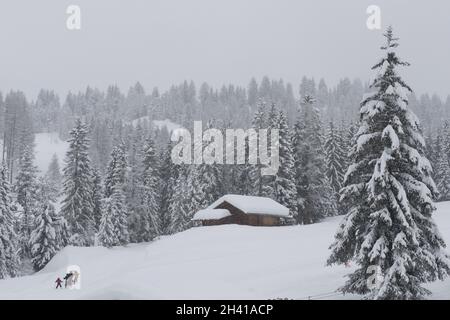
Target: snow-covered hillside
(46, 145)
(220, 262)
(170, 126)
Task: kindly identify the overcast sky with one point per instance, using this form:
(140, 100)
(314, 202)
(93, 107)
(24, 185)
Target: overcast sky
(163, 42)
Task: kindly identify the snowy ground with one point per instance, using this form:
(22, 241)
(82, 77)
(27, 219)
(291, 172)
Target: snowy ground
(220, 262)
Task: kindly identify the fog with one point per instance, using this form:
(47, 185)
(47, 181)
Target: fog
(163, 42)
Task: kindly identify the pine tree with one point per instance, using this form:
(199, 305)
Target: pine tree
(26, 187)
(77, 205)
(439, 158)
(9, 259)
(446, 138)
(245, 174)
(182, 203)
(443, 176)
(47, 188)
(46, 200)
(389, 194)
(285, 191)
(167, 179)
(54, 173)
(150, 222)
(116, 170)
(96, 197)
(43, 240)
(134, 189)
(204, 184)
(121, 217)
(195, 197)
(62, 231)
(107, 235)
(114, 189)
(335, 158)
(268, 181)
(315, 198)
(255, 178)
(348, 134)
(433, 150)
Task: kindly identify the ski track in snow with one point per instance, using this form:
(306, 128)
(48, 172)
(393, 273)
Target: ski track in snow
(219, 262)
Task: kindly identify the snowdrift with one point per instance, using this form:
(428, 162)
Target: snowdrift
(220, 262)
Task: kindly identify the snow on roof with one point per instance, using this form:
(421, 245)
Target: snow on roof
(251, 204)
(211, 214)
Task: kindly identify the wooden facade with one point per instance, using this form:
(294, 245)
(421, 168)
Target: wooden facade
(239, 217)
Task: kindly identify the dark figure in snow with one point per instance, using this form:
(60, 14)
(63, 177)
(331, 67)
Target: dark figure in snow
(67, 279)
(74, 277)
(58, 283)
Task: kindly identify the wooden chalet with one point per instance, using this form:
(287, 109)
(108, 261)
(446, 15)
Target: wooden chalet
(244, 210)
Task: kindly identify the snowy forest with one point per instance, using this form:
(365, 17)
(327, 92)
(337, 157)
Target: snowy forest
(118, 185)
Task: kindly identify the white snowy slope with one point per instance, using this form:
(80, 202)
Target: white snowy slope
(45, 146)
(170, 126)
(48, 144)
(220, 262)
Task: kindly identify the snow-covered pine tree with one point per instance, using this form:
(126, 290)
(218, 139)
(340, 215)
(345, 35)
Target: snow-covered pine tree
(389, 194)
(244, 176)
(62, 231)
(150, 184)
(9, 246)
(26, 187)
(443, 177)
(206, 183)
(433, 149)
(268, 181)
(254, 173)
(167, 179)
(348, 134)
(134, 183)
(46, 198)
(114, 186)
(195, 194)
(107, 235)
(77, 204)
(54, 173)
(439, 158)
(116, 170)
(315, 197)
(183, 203)
(446, 138)
(335, 158)
(97, 193)
(284, 188)
(43, 240)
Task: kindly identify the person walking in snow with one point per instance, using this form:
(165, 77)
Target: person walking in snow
(58, 283)
(74, 277)
(67, 279)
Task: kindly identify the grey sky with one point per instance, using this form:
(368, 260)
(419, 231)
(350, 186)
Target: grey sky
(162, 42)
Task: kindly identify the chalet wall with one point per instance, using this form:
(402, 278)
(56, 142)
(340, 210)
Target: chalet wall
(239, 217)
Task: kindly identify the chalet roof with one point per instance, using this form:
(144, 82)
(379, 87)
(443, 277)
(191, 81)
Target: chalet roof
(251, 204)
(211, 214)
